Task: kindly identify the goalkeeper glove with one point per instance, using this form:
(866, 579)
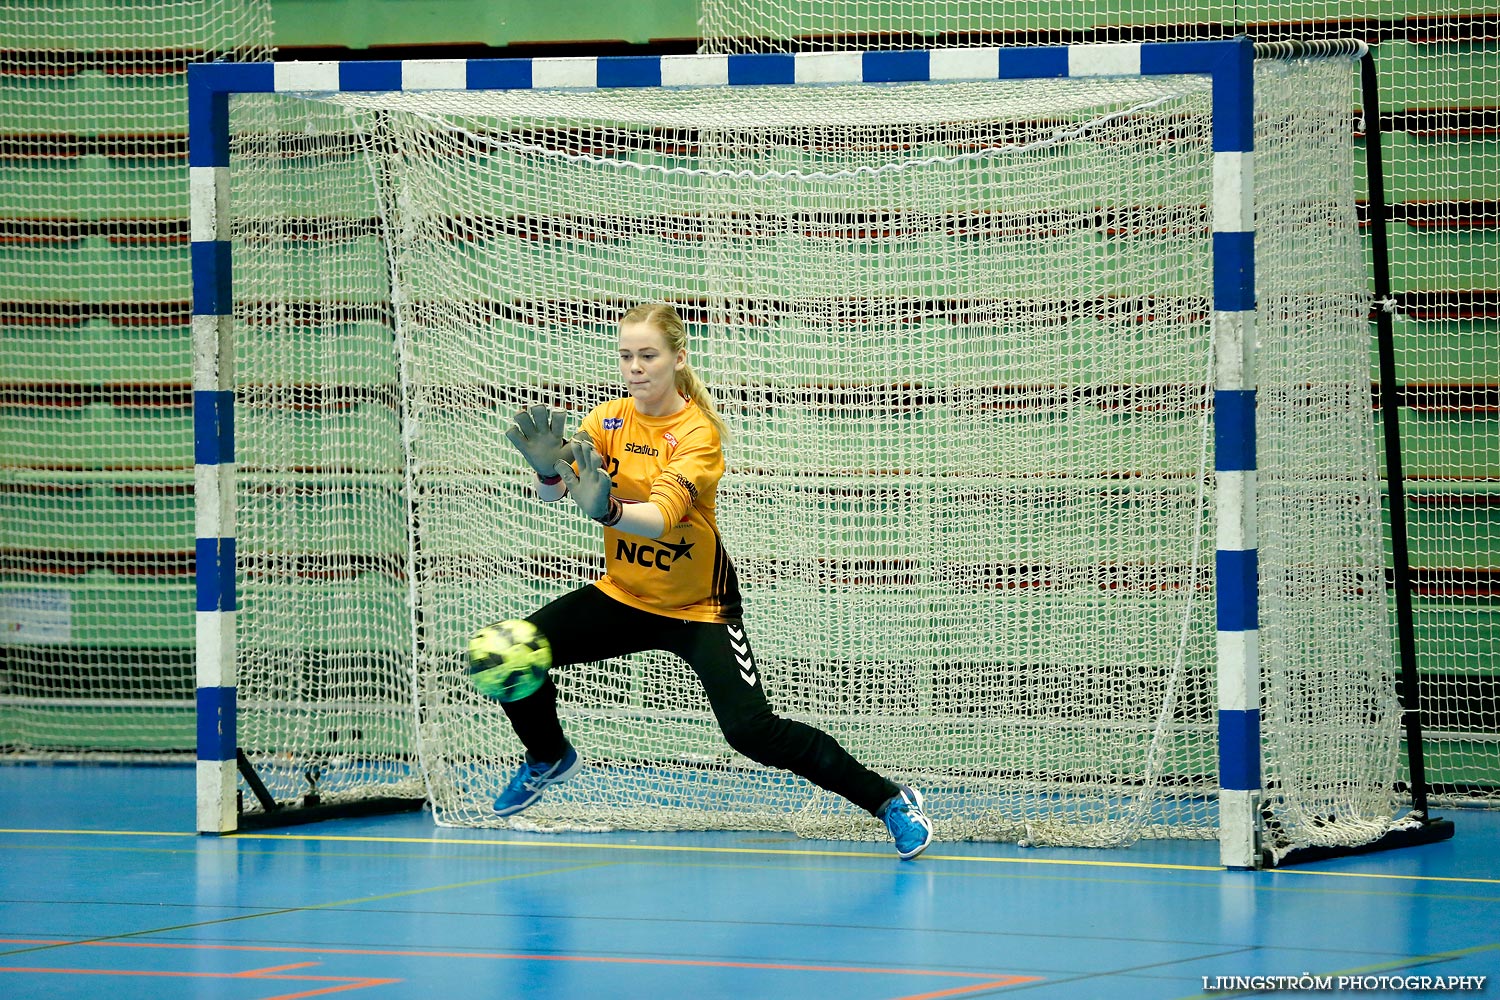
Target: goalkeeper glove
(537, 434)
(590, 487)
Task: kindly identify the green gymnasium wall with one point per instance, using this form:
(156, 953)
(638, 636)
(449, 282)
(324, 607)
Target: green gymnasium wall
(363, 23)
(96, 516)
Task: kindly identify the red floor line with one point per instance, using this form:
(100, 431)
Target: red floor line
(988, 977)
(343, 982)
(257, 973)
(959, 990)
(357, 984)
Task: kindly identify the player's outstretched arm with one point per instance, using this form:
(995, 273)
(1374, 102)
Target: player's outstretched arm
(590, 489)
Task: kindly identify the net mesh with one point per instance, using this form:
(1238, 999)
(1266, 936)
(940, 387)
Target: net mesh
(962, 341)
(96, 453)
(1329, 710)
(324, 633)
(1439, 69)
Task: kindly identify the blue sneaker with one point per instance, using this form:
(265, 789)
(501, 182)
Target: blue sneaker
(532, 780)
(909, 826)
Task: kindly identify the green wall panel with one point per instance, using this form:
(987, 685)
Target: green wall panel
(1442, 259)
(95, 351)
(1451, 637)
(1439, 445)
(66, 726)
(1437, 167)
(93, 187)
(1453, 532)
(96, 436)
(1444, 351)
(362, 23)
(93, 103)
(95, 269)
(82, 517)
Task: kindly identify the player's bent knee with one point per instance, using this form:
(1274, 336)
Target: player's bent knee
(509, 660)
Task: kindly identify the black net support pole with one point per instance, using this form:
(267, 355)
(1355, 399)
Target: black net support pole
(257, 787)
(1391, 398)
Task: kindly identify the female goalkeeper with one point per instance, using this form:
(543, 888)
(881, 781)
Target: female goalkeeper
(648, 466)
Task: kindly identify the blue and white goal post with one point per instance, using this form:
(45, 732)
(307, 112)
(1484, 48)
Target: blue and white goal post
(1229, 67)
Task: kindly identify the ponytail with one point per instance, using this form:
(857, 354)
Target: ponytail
(666, 320)
(691, 386)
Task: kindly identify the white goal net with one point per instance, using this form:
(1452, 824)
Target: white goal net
(961, 334)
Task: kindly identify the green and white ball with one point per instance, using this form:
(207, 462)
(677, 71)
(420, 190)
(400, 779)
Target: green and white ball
(509, 660)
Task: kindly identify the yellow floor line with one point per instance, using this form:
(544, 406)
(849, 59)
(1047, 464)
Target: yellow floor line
(764, 851)
(667, 848)
(601, 846)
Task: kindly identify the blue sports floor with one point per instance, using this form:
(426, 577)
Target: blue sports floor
(104, 892)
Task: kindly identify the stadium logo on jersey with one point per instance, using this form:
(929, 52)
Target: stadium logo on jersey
(613, 423)
(659, 556)
(641, 449)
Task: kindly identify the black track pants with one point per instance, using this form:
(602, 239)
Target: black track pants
(587, 625)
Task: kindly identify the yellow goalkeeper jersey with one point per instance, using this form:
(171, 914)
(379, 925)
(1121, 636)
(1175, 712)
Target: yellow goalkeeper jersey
(674, 462)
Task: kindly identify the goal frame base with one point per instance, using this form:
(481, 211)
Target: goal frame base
(1428, 830)
(307, 808)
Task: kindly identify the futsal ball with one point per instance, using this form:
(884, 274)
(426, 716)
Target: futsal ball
(509, 661)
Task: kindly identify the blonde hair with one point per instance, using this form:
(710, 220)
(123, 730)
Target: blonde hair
(666, 321)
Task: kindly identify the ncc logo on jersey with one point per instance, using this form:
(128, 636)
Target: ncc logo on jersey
(660, 556)
(613, 423)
